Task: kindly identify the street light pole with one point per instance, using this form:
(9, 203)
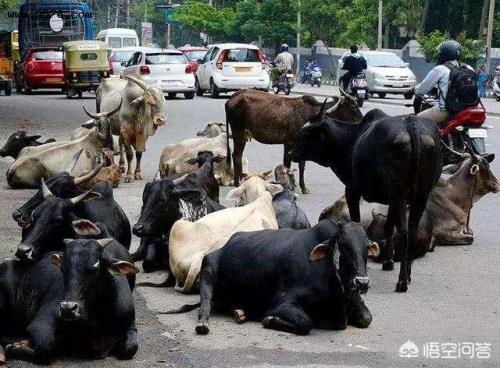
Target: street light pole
(379, 41)
(489, 35)
(299, 24)
(169, 30)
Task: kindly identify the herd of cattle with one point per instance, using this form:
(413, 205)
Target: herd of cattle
(260, 260)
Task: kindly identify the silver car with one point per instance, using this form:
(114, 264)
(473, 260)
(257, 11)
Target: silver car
(118, 56)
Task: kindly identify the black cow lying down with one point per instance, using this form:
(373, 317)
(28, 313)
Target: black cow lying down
(76, 301)
(292, 280)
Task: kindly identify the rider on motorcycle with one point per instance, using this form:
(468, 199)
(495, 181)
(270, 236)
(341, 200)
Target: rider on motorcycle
(449, 56)
(354, 63)
(283, 62)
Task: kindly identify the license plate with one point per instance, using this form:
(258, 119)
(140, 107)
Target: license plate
(242, 69)
(361, 93)
(477, 133)
(398, 85)
(52, 80)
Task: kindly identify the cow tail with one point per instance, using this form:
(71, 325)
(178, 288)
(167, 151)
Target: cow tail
(184, 309)
(413, 130)
(228, 148)
(194, 271)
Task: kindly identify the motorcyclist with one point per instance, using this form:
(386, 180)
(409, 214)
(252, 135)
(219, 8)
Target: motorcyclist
(354, 63)
(308, 68)
(282, 62)
(449, 53)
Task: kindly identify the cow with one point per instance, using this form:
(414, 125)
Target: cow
(276, 120)
(212, 130)
(51, 220)
(446, 217)
(174, 157)
(19, 140)
(288, 214)
(291, 280)
(71, 156)
(190, 241)
(63, 311)
(142, 112)
(111, 174)
(284, 176)
(205, 176)
(164, 202)
(389, 160)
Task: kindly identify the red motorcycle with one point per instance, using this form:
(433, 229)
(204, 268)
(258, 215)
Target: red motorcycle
(462, 132)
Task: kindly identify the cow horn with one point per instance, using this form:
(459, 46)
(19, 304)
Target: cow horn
(463, 155)
(80, 198)
(91, 115)
(179, 180)
(137, 81)
(45, 190)
(334, 107)
(108, 114)
(343, 93)
(86, 177)
(104, 242)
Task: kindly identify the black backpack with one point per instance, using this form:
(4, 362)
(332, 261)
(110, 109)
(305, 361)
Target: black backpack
(462, 88)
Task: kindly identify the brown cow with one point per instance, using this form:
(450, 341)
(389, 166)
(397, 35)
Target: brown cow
(111, 174)
(273, 119)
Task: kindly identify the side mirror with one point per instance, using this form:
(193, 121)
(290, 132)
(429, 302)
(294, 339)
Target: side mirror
(199, 61)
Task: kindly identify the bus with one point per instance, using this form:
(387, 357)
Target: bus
(49, 23)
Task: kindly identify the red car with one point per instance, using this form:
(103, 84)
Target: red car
(193, 54)
(42, 68)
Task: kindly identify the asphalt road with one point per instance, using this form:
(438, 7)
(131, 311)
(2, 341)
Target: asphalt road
(454, 296)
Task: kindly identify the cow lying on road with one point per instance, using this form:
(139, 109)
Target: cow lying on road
(19, 140)
(290, 279)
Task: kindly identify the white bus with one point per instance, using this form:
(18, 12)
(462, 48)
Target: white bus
(118, 37)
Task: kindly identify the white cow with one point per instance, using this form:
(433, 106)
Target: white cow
(189, 242)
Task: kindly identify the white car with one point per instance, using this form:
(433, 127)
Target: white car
(118, 56)
(169, 67)
(387, 73)
(230, 67)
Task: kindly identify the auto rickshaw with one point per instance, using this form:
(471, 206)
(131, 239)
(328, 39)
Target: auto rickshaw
(85, 65)
(6, 63)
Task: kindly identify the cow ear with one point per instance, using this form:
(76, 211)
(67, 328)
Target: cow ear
(274, 188)
(218, 158)
(85, 228)
(234, 194)
(321, 251)
(150, 99)
(373, 250)
(56, 260)
(192, 161)
(474, 169)
(137, 101)
(120, 268)
(489, 157)
(33, 137)
(264, 175)
(450, 169)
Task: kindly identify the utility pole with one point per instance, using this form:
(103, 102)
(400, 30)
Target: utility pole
(379, 43)
(489, 36)
(299, 25)
(117, 12)
(169, 30)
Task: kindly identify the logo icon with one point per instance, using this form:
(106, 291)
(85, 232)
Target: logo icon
(408, 350)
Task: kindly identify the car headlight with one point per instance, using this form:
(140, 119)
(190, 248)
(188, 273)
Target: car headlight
(378, 76)
(412, 78)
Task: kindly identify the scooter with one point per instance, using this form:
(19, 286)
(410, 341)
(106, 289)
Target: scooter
(496, 87)
(358, 88)
(316, 76)
(462, 132)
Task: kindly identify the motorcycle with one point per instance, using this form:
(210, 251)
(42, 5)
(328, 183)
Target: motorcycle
(316, 76)
(496, 88)
(286, 81)
(462, 132)
(358, 88)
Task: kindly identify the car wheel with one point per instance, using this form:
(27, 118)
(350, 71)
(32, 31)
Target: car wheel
(189, 95)
(197, 88)
(26, 89)
(382, 94)
(360, 102)
(8, 89)
(214, 91)
(172, 94)
(276, 90)
(69, 93)
(497, 98)
(408, 95)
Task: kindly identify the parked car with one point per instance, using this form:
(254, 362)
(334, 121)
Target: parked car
(193, 54)
(231, 67)
(170, 67)
(118, 56)
(387, 73)
(42, 68)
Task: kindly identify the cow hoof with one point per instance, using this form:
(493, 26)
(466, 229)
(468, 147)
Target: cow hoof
(269, 322)
(402, 287)
(388, 266)
(306, 190)
(239, 316)
(129, 178)
(202, 329)
(138, 175)
(122, 169)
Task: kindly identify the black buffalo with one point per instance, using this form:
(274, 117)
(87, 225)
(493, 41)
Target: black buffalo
(288, 214)
(19, 140)
(292, 280)
(395, 161)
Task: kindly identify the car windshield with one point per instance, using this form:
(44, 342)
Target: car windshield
(115, 42)
(120, 56)
(242, 55)
(165, 58)
(384, 60)
(48, 55)
(129, 41)
(195, 55)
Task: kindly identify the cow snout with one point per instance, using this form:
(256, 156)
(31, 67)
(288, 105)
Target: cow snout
(159, 121)
(362, 283)
(24, 251)
(3, 153)
(17, 215)
(139, 230)
(69, 310)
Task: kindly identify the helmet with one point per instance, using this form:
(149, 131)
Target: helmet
(449, 50)
(354, 49)
(284, 47)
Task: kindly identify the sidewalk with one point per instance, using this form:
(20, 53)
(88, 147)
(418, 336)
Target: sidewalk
(491, 105)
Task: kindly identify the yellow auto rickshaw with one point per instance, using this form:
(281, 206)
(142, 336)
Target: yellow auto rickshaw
(6, 63)
(85, 65)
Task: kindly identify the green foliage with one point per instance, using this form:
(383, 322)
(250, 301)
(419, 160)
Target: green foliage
(472, 50)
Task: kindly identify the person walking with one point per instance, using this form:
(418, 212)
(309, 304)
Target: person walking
(483, 78)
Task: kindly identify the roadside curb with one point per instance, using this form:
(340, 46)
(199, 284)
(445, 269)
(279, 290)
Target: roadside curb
(379, 102)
